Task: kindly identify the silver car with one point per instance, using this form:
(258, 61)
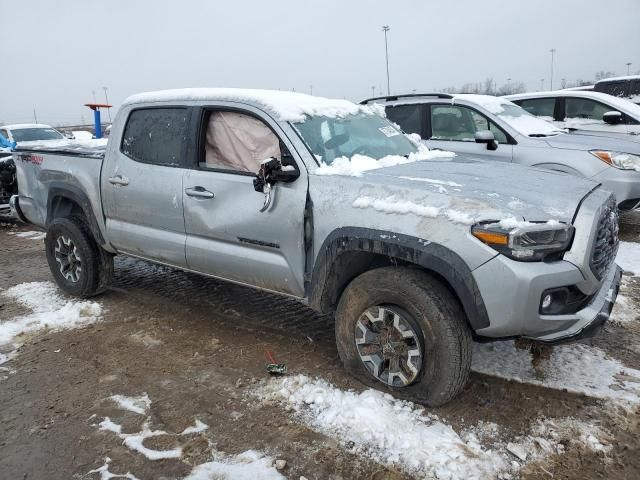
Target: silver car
(496, 129)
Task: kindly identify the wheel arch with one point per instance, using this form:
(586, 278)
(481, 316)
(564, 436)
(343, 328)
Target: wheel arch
(350, 251)
(67, 200)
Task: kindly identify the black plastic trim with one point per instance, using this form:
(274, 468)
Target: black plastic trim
(412, 250)
(61, 190)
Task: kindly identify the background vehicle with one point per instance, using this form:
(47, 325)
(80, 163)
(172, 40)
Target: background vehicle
(624, 87)
(583, 110)
(8, 185)
(411, 250)
(30, 132)
(495, 129)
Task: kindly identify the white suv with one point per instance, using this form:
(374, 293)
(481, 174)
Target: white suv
(582, 110)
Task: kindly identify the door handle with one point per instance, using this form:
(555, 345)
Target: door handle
(119, 180)
(199, 192)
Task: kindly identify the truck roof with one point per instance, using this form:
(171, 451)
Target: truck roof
(285, 106)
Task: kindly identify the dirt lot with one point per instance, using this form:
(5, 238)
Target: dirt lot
(196, 347)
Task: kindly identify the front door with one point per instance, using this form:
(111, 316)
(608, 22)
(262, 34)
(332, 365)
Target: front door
(227, 234)
(453, 128)
(141, 184)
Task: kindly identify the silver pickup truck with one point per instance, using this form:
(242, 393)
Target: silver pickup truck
(415, 252)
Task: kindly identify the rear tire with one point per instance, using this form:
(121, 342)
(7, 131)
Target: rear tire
(78, 264)
(432, 365)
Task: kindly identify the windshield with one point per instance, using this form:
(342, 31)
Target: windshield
(369, 135)
(523, 121)
(34, 134)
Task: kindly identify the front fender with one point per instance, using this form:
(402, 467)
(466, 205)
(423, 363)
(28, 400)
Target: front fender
(431, 256)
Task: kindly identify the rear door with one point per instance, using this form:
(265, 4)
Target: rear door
(141, 185)
(227, 234)
(453, 128)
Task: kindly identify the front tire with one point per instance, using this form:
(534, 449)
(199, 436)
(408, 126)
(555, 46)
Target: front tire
(402, 331)
(79, 266)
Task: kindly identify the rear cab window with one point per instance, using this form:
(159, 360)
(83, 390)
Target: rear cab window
(156, 135)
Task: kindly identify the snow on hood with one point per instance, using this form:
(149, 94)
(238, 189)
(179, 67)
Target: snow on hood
(512, 114)
(465, 191)
(585, 141)
(286, 106)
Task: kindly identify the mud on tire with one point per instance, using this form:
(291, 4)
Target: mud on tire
(79, 265)
(425, 307)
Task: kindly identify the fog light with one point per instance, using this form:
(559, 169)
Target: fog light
(546, 301)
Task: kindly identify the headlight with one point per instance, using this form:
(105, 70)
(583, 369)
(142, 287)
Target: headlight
(623, 161)
(529, 242)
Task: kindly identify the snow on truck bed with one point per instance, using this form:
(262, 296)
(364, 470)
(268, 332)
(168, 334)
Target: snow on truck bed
(286, 106)
(88, 148)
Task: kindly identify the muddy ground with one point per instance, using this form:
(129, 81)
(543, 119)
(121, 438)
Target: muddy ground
(197, 347)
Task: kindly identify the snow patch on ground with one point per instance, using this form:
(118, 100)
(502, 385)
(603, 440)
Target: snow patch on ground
(31, 235)
(577, 368)
(135, 441)
(105, 474)
(199, 427)
(139, 404)
(49, 310)
(249, 465)
(358, 164)
(387, 430)
(629, 257)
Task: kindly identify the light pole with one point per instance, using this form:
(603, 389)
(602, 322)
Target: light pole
(628, 67)
(541, 84)
(373, 91)
(553, 51)
(106, 99)
(385, 29)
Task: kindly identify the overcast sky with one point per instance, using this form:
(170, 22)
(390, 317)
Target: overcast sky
(55, 53)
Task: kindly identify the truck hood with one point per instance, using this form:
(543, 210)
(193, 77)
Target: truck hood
(465, 187)
(588, 141)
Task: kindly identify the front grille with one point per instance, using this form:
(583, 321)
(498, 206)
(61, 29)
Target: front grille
(605, 245)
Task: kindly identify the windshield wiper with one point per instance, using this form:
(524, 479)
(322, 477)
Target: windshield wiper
(538, 135)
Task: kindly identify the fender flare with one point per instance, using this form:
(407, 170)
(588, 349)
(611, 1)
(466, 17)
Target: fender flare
(80, 198)
(428, 255)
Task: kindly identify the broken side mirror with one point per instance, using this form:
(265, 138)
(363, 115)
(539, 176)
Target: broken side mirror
(272, 171)
(612, 118)
(487, 137)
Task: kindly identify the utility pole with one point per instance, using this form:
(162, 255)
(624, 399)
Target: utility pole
(106, 100)
(552, 51)
(385, 29)
(35, 117)
(628, 64)
(373, 91)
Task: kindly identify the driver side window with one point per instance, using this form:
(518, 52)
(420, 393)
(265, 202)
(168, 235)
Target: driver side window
(237, 142)
(458, 123)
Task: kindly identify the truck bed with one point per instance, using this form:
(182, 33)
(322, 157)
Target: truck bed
(73, 149)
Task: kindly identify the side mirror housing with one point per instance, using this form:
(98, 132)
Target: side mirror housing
(612, 118)
(487, 137)
(273, 171)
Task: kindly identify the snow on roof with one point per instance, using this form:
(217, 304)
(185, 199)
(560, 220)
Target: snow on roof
(616, 79)
(286, 106)
(19, 126)
(491, 103)
(623, 104)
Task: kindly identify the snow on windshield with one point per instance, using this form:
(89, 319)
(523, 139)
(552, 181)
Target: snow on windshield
(358, 164)
(515, 116)
(287, 106)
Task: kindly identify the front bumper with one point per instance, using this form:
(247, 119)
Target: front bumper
(512, 296)
(624, 183)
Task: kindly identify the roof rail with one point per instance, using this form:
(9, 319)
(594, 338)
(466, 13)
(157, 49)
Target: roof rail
(391, 98)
